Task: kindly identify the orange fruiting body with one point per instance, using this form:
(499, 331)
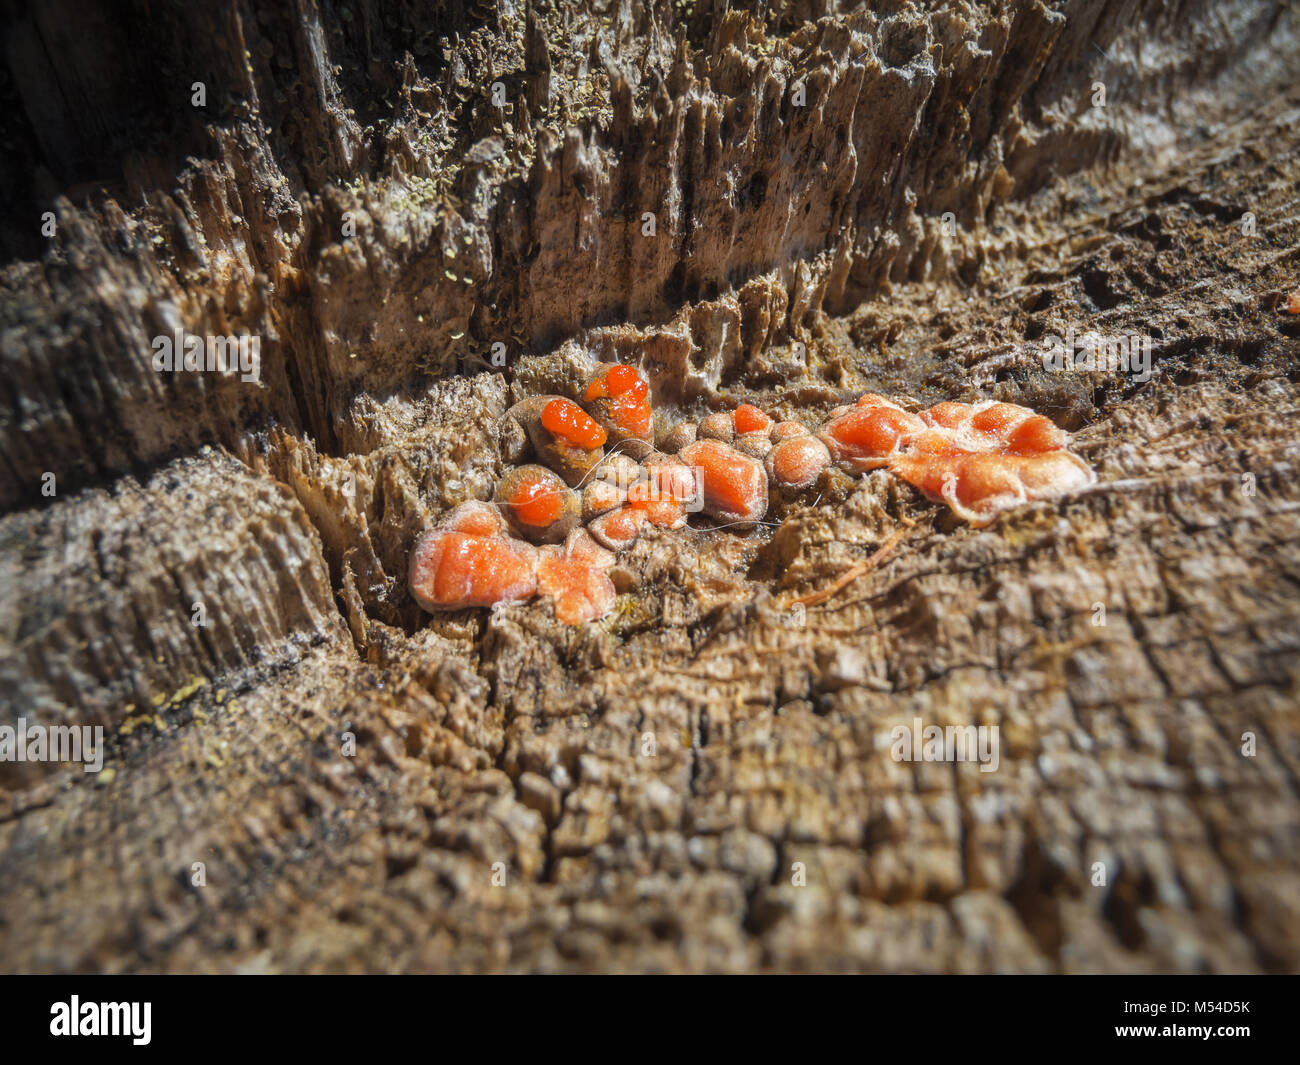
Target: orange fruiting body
(618, 528)
(875, 430)
(536, 502)
(540, 506)
(657, 497)
(480, 571)
(476, 519)
(875, 399)
(749, 419)
(998, 418)
(733, 485)
(980, 486)
(1036, 435)
(598, 497)
(627, 398)
(574, 579)
(947, 415)
(631, 413)
(470, 561)
(984, 459)
(564, 419)
(786, 430)
(867, 436)
(979, 459)
(797, 461)
(933, 444)
(622, 379)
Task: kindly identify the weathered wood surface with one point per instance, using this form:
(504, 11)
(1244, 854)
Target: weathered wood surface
(650, 784)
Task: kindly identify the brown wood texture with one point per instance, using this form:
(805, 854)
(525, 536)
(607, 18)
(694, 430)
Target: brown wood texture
(703, 781)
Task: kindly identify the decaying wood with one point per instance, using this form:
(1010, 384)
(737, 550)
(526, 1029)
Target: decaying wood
(858, 569)
(703, 782)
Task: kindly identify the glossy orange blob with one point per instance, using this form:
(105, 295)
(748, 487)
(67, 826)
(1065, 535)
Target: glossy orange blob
(452, 568)
(875, 429)
(475, 518)
(621, 378)
(619, 528)
(734, 486)
(997, 427)
(665, 514)
(998, 419)
(538, 502)
(567, 421)
(598, 497)
(797, 461)
(868, 435)
(749, 419)
(480, 571)
(628, 397)
(947, 415)
(675, 480)
(1036, 435)
(978, 487)
(661, 511)
(661, 497)
(575, 581)
(786, 430)
(980, 460)
(935, 443)
(984, 460)
(631, 413)
(614, 382)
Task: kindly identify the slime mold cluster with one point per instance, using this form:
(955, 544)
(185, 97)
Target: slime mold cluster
(555, 525)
